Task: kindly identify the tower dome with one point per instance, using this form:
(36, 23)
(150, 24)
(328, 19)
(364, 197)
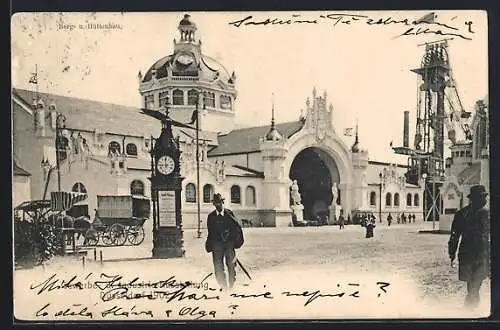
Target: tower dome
(273, 134)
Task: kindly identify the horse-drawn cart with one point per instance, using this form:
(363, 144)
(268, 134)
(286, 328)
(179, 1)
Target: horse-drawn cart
(118, 219)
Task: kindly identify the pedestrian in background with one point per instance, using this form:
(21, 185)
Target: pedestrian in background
(389, 219)
(369, 228)
(341, 220)
(224, 236)
(471, 226)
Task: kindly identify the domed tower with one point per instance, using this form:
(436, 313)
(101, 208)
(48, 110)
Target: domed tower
(360, 167)
(187, 76)
(273, 148)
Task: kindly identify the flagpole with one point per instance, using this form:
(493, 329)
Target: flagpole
(58, 142)
(36, 81)
(198, 164)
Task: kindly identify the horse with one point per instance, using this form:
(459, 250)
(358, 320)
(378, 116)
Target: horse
(79, 225)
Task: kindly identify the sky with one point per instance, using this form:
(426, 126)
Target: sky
(364, 69)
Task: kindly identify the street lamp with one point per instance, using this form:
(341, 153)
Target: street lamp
(380, 198)
(200, 93)
(60, 125)
(424, 177)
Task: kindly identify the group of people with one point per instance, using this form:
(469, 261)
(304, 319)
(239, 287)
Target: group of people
(401, 218)
(470, 236)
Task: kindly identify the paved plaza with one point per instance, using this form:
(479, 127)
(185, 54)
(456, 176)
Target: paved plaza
(416, 265)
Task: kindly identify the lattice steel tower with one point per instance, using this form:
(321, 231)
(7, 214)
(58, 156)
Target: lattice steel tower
(439, 111)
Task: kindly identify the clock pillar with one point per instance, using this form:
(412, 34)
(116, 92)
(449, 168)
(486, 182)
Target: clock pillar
(167, 219)
(166, 192)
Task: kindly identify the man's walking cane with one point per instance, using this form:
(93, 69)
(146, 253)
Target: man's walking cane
(237, 261)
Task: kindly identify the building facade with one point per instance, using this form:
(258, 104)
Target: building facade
(106, 148)
(468, 165)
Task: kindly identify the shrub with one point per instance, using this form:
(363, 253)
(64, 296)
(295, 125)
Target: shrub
(35, 242)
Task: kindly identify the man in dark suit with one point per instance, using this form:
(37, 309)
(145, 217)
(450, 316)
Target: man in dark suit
(224, 236)
(472, 224)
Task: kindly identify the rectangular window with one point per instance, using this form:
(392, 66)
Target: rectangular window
(225, 102)
(149, 102)
(163, 99)
(178, 97)
(210, 100)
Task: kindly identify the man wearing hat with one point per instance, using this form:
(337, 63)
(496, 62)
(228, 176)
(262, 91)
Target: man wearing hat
(472, 225)
(224, 236)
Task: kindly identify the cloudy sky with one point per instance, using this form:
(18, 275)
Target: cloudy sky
(364, 68)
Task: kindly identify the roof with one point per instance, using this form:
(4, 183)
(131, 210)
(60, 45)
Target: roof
(89, 115)
(246, 140)
(19, 171)
(238, 170)
(470, 175)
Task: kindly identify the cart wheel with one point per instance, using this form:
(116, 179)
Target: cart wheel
(118, 234)
(91, 237)
(107, 238)
(136, 235)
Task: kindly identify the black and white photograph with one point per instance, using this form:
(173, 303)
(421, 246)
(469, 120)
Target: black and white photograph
(184, 166)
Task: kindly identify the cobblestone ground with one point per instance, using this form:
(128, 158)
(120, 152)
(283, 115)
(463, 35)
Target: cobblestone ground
(315, 255)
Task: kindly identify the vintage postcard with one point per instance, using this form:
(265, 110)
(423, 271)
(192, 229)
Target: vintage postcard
(250, 165)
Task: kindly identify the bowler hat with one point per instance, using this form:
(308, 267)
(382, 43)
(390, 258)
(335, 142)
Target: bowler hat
(477, 190)
(218, 198)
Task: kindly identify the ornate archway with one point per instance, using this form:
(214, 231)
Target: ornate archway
(330, 161)
(315, 172)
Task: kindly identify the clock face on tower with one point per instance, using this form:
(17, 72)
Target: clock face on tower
(165, 165)
(185, 59)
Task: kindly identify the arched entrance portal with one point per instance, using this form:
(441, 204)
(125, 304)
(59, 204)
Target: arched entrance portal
(315, 172)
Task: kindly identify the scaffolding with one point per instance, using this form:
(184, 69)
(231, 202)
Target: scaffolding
(439, 112)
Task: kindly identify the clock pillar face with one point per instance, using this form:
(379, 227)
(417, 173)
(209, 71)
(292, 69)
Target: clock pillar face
(165, 165)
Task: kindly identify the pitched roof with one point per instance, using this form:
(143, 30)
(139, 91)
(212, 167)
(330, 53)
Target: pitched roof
(246, 140)
(92, 115)
(238, 170)
(17, 170)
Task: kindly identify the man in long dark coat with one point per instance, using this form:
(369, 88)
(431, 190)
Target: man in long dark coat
(224, 236)
(472, 225)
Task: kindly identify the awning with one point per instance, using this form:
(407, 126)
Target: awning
(62, 201)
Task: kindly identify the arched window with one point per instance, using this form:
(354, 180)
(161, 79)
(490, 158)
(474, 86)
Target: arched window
(190, 193)
(396, 199)
(235, 195)
(416, 200)
(208, 192)
(192, 97)
(408, 200)
(178, 97)
(388, 198)
(131, 149)
(210, 100)
(114, 147)
(79, 187)
(137, 188)
(250, 196)
(373, 198)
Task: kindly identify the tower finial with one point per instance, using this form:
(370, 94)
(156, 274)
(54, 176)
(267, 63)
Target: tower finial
(272, 113)
(355, 146)
(273, 134)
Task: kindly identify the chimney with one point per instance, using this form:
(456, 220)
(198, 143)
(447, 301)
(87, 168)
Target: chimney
(406, 142)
